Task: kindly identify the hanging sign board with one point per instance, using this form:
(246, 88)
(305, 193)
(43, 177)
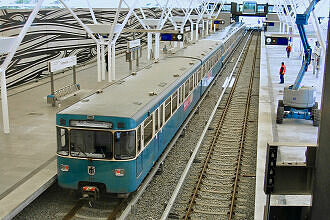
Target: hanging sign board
(276, 41)
(134, 43)
(219, 21)
(171, 37)
(63, 63)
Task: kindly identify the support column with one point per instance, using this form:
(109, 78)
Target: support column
(5, 116)
(202, 30)
(197, 31)
(103, 62)
(175, 42)
(191, 31)
(157, 39)
(181, 43)
(207, 27)
(149, 44)
(109, 63)
(321, 190)
(98, 51)
(113, 61)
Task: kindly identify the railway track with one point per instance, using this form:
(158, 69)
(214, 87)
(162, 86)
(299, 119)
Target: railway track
(106, 208)
(221, 182)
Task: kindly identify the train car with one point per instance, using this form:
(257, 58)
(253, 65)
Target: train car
(109, 141)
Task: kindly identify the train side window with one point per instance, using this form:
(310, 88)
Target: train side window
(148, 130)
(138, 139)
(191, 83)
(156, 120)
(168, 108)
(125, 145)
(199, 75)
(174, 101)
(186, 88)
(62, 141)
(181, 94)
(161, 115)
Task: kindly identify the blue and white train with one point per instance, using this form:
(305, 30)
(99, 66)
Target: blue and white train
(109, 141)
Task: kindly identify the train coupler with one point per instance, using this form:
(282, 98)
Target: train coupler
(90, 193)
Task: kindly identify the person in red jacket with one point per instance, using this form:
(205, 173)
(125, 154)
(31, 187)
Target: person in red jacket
(288, 50)
(282, 72)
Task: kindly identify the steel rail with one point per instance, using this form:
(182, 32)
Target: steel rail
(117, 209)
(81, 202)
(244, 128)
(74, 210)
(215, 137)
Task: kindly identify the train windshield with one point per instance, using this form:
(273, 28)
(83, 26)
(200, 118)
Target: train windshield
(92, 144)
(62, 141)
(125, 145)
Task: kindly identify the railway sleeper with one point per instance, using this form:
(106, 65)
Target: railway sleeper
(225, 191)
(216, 205)
(224, 197)
(220, 174)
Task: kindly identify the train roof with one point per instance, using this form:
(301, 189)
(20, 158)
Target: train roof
(130, 98)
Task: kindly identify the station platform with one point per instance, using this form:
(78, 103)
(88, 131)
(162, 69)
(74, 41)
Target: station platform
(292, 130)
(28, 164)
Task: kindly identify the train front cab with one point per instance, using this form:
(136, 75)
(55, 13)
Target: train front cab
(98, 157)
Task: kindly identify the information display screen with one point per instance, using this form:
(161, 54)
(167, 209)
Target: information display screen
(166, 37)
(249, 7)
(171, 37)
(277, 41)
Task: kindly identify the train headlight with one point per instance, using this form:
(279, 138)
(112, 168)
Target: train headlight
(64, 168)
(119, 172)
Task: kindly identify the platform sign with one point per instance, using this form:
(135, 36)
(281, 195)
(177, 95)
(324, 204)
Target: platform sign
(276, 40)
(171, 37)
(63, 63)
(219, 22)
(134, 43)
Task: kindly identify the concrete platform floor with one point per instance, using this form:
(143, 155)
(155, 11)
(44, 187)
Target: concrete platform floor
(292, 130)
